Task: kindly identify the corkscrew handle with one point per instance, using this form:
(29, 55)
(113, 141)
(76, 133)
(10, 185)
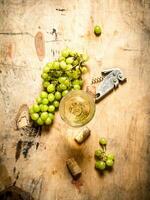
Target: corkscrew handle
(110, 80)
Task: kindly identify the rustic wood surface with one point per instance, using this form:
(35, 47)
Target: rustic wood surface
(33, 32)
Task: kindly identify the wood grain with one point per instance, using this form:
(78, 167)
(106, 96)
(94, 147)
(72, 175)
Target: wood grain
(123, 117)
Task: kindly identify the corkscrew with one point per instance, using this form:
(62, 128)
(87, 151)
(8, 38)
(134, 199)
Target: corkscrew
(110, 79)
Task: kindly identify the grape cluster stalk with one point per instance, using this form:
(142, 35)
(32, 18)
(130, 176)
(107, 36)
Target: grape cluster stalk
(59, 77)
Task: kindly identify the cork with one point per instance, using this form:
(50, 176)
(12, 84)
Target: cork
(74, 168)
(83, 135)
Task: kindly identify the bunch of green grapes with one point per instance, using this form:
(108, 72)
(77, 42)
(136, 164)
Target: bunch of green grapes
(59, 77)
(103, 160)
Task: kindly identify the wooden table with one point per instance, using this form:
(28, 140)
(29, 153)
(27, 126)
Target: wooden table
(122, 117)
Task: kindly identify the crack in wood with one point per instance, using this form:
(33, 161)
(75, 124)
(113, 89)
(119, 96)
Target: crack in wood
(19, 33)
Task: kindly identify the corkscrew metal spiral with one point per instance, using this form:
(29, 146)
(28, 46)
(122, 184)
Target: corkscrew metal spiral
(97, 80)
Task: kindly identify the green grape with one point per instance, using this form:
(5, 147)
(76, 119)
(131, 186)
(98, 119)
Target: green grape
(67, 82)
(50, 65)
(69, 67)
(46, 84)
(72, 53)
(43, 107)
(100, 165)
(44, 75)
(63, 86)
(48, 121)
(97, 30)
(36, 108)
(57, 95)
(102, 141)
(50, 115)
(77, 82)
(46, 69)
(61, 58)
(63, 65)
(111, 156)
(62, 79)
(69, 73)
(75, 75)
(59, 89)
(51, 88)
(77, 87)
(84, 57)
(34, 116)
(44, 115)
(65, 53)
(84, 70)
(31, 110)
(98, 153)
(69, 60)
(51, 97)
(56, 65)
(51, 108)
(64, 92)
(40, 121)
(109, 162)
(75, 62)
(56, 104)
(43, 94)
(45, 101)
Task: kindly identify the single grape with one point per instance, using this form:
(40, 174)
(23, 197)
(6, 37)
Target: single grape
(44, 115)
(64, 92)
(45, 101)
(58, 88)
(84, 57)
(111, 156)
(100, 165)
(75, 75)
(97, 30)
(56, 104)
(51, 108)
(51, 88)
(84, 70)
(56, 65)
(63, 86)
(61, 58)
(34, 116)
(46, 69)
(50, 65)
(98, 153)
(43, 107)
(75, 62)
(69, 60)
(62, 79)
(72, 53)
(77, 87)
(51, 97)
(109, 162)
(102, 141)
(43, 94)
(48, 121)
(51, 116)
(36, 108)
(63, 65)
(67, 82)
(31, 110)
(46, 84)
(69, 67)
(40, 121)
(65, 53)
(44, 75)
(57, 95)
